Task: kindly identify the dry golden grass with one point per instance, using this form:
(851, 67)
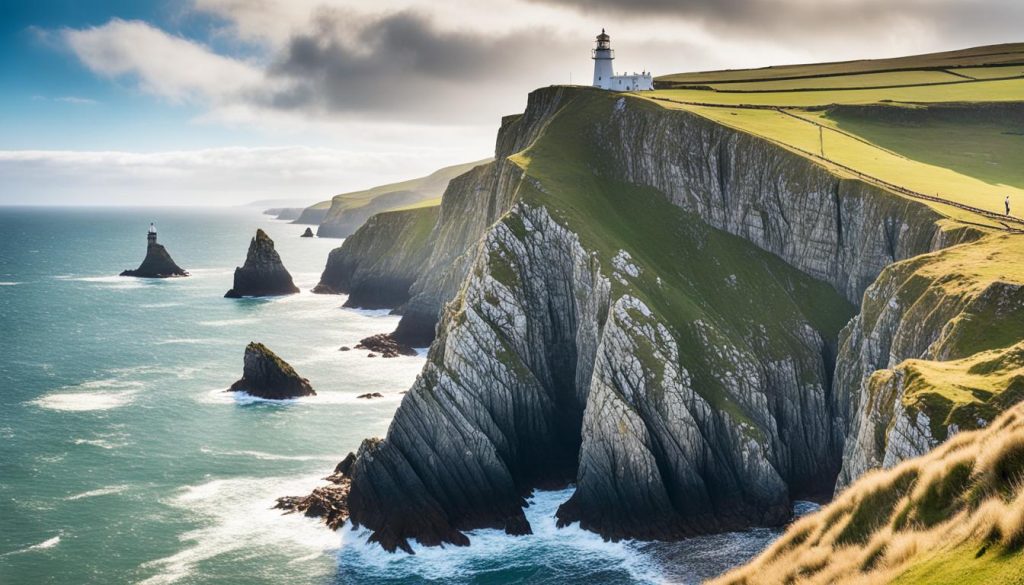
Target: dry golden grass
(969, 491)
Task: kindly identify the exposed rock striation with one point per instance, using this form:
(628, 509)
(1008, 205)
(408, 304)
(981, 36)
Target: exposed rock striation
(596, 327)
(938, 307)
(263, 273)
(265, 375)
(157, 264)
(842, 231)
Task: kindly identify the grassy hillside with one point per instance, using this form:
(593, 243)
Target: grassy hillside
(350, 210)
(947, 125)
(958, 61)
(954, 516)
(428, 187)
(611, 217)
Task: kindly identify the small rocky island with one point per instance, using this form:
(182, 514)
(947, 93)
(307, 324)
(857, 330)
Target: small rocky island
(263, 274)
(265, 375)
(308, 233)
(158, 263)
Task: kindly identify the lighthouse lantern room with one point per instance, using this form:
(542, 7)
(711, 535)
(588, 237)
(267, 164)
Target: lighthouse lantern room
(604, 73)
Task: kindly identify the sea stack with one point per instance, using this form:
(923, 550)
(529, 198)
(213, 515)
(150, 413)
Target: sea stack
(265, 375)
(308, 233)
(158, 263)
(263, 274)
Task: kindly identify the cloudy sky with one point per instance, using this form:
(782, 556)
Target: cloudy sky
(228, 101)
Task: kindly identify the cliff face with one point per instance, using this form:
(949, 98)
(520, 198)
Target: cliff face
(838, 230)
(349, 211)
(939, 307)
(267, 376)
(312, 215)
(263, 273)
(597, 325)
(377, 265)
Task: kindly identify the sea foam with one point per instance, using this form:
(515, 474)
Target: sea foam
(237, 514)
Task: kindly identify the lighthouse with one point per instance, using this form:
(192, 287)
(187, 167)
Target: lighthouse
(603, 55)
(604, 73)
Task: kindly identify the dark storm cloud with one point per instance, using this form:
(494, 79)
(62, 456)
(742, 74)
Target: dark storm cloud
(402, 64)
(972, 21)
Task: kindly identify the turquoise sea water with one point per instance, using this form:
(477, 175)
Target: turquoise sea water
(122, 461)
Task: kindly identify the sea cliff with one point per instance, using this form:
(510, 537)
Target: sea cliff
(591, 291)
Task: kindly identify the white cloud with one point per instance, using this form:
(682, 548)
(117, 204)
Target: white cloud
(201, 177)
(164, 65)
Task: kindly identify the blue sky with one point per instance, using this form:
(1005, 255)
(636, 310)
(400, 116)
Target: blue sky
(50, 101)
(225, 101)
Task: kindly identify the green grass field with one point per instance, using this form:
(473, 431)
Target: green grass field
(975, 57)
(937, 134)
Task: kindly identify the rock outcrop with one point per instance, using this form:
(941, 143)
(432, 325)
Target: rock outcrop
(940, 307)
(376, 266)
(386, 345)
(158, 262)
(263, 273)
(308, 233)
(265, 375)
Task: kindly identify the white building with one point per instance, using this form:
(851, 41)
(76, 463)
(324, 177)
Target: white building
(604, 74)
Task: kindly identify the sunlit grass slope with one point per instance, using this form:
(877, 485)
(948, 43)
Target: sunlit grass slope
(405, 193)
(955, 515)
(949, 125)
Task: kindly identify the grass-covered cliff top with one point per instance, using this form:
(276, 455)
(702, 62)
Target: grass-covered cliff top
(972, 297)
(697, 279)
(412, 193)
(955, 515)
(948, 125)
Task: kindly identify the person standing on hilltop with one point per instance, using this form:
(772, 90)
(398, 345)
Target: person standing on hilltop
(1006, 202)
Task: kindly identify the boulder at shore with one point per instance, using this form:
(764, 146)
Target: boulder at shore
(158, 263)
(263, 274)
(387, 345)
(308, 233)
(267, 376)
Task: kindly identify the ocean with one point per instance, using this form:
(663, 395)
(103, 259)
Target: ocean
(123, 461)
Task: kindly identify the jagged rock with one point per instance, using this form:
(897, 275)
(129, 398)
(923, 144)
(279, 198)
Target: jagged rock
(265, 375)
(556, 362)
(386, 345)
(158, 262)
(263, 273)
(327, 502)
(371, 395)
(308, 233)
(344, 466)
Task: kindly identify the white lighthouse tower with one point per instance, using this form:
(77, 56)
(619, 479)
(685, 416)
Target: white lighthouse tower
(604, 73)
(603, 55)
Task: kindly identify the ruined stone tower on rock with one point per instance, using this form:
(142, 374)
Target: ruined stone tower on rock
(604, 73)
